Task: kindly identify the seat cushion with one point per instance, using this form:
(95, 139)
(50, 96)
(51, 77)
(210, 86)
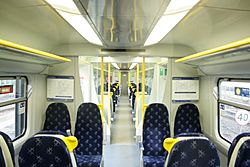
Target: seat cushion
(88, 160)
(88, 130)
(195, 151)
(155, 129)
(154, 161)
(57, 118)
(9, 143)
(234, 143)
(239, 151)
(44, 151)
(187, 119)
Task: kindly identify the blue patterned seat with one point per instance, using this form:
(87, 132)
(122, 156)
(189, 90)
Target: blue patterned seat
(46, 150)
(7, 155)
(193, 151)
(155, 130)
(239, 151)
(89, 132)
(187, 119)
(57, 118)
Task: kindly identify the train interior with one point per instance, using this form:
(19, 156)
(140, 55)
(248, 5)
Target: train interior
(125, 60)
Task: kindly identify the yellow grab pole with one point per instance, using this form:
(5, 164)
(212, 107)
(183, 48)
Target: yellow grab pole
(128, 79)
(143, 87)
(102, 87)
(109, 97)
(32, 51)
(137, 93)
(228, 46)
(119, 75)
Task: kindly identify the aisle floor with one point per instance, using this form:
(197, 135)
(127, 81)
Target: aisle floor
(122, 151)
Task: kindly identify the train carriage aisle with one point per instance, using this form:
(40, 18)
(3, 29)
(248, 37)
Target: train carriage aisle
(122, 151)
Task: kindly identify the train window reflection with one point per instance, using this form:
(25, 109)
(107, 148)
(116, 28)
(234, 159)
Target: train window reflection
(13, 106)
(233, 121)
(234, 102)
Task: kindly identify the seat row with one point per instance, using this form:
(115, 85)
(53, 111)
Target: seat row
(54, 148)
(185, 149)
(88, 138)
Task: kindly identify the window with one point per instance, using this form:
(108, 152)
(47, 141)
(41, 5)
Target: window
(234, 107)
(13, 102)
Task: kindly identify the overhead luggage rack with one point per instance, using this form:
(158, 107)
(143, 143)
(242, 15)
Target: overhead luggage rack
(232, 52)
(19, 53)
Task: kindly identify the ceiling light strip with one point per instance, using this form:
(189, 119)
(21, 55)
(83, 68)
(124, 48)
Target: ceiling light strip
(69, 11)
(175, 12)
(228, 46)
(116, 66)
(32, 51)
(132, 66)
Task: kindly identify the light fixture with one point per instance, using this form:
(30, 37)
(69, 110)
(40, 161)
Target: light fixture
(69, 11)
(132, 66)
(116, 66)
(175, 12)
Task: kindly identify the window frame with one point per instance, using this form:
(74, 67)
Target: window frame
(18, 100)
(236, 105)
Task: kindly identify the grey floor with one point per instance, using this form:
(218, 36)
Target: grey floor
(122, 152)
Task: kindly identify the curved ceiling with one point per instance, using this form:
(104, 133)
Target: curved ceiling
(123, 23)
(210, 24)
(213, 23)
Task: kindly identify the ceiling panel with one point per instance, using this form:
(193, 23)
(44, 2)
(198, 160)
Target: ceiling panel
(37, 17)
(124, 24)
(212, 23)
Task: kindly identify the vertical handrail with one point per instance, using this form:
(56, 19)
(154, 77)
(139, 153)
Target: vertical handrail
(143, 86)
(137, 94)
(128, 78)
(109, 97)
(102, 87)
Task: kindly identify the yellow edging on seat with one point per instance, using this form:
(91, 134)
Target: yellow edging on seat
(168, 143)
(71, 142)
(31, 50)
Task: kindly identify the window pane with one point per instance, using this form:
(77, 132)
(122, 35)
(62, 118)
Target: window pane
(229, 127)
(237, 92)
(12, 114)
(11, 89)
(12, 119)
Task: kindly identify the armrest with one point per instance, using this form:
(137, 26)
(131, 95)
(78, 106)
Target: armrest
(140, 144)
(68, 131)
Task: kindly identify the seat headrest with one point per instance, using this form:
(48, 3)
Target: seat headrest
(46, 149)
(239, 150)
(191, 151)
(7, 150)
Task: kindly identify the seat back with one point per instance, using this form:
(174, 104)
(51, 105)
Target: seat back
(89, 130)
(47, 150)
(155, 129)
(187, 119)
(57, 118)
(7, 155)
(239, 151)
(192, 151)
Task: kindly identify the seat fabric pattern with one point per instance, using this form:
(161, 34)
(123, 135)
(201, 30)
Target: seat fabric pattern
(57, 118)
(187, 119)
(44, 152)
(88, 160)
(2, 162)
(10, 145)
(193, 153)
(89, 132)
(189, 135)
(154, 161)
(243, 156)
(155, 130)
